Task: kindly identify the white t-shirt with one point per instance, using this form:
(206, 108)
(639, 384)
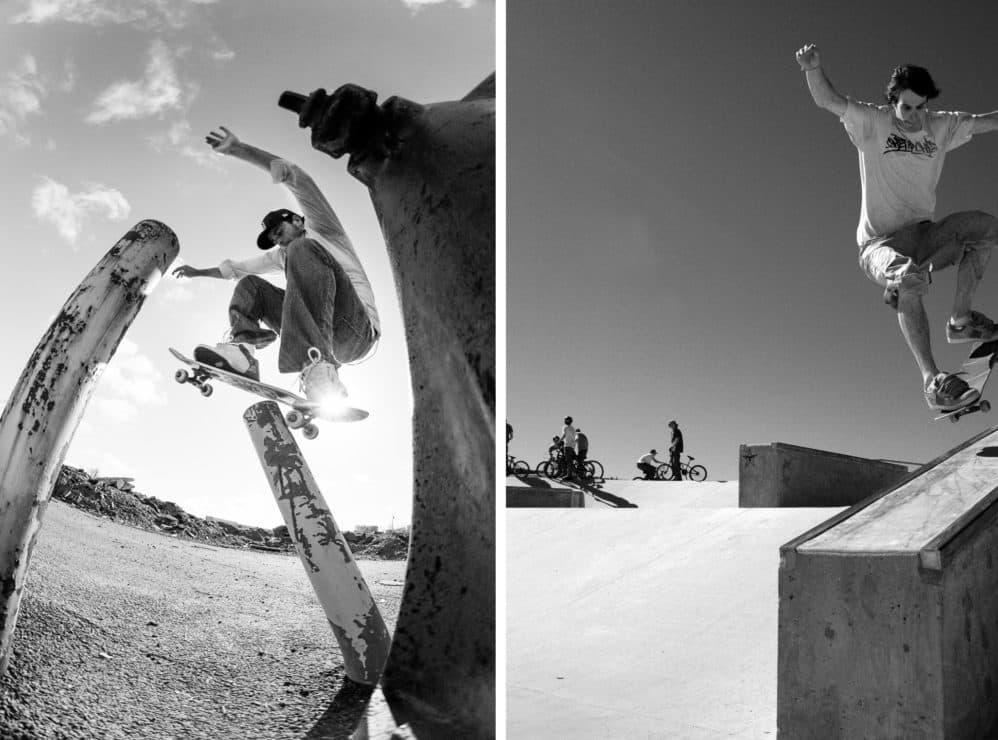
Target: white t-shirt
(648, 459)
(899, 170)
(568, 435)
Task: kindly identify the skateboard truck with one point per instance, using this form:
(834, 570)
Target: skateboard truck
(296, 419)
(954, 416)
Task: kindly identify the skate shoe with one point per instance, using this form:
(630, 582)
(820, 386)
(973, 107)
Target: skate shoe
(979, 329)
(948, 392)
(232, 357)
(320, 381)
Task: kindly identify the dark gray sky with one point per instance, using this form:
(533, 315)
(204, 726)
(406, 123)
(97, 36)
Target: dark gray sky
(681, 226)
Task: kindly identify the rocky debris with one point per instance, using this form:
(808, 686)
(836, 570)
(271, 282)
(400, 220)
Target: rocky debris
(117, 500)
(392, 545)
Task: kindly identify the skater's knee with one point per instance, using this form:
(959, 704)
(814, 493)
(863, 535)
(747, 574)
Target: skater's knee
(249, 282)
(909, 289)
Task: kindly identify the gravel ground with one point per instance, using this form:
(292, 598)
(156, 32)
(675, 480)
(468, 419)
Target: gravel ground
(124, 633)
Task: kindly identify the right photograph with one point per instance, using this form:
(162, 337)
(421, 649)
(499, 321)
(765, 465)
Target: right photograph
(751, 477)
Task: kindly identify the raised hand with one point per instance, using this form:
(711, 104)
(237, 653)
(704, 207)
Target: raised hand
(808, 57)
(222, 142)
(185, 271)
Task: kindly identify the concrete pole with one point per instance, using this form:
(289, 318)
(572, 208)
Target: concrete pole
(47, 404)
(430, 170)
(329, 564)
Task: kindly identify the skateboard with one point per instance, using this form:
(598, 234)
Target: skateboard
(977, 369)
(302, 410)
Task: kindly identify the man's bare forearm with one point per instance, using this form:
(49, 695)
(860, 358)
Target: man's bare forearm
(985, 122)
(824, 95)
(212, 272)
(253, 155)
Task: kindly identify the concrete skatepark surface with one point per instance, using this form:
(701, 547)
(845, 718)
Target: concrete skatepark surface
(131, 634)
(658, 621)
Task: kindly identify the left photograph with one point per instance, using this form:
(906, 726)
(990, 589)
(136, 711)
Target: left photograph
(247, 478)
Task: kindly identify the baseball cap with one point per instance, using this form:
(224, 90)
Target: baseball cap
(270, 221)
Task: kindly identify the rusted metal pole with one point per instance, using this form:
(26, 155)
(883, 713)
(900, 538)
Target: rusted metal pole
(46, 406)
(329, 564)
(430, 170)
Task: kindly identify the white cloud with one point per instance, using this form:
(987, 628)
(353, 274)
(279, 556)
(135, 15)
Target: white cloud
(131, 377)
(117, 410)
(145, 14)
(21, 94)
(159, 90)
(129, 382)
(52, 201)
(174, 292)
(180, 139)
(69, 76)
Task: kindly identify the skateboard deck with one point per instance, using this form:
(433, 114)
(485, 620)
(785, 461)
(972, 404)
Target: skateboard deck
(302, 410)
(976, 371)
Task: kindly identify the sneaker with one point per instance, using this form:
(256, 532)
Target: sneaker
(948, 392)
(320, 381)
(979, 329)
(232, 357)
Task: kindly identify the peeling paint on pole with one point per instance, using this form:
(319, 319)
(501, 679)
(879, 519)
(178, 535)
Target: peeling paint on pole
(430, 170)
(329, 564)
(46, 406)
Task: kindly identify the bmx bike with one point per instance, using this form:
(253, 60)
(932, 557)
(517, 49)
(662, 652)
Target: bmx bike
(696, 473)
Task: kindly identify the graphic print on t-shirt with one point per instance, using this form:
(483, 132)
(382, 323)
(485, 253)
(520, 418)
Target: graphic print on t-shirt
(903, 145)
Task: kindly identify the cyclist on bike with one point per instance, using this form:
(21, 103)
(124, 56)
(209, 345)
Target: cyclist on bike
(648, 463)
(675, 448)
(554, 451)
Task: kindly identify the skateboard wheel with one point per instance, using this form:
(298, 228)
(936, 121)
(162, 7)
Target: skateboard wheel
(206, 390)
(985, 406)
(954, 419)
(181, 376)
(311, 431)
(295, 419)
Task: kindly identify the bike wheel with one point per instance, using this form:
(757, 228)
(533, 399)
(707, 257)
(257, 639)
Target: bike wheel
(521, 468)
(597, 468)
(548, 468)
(663, 472)
(698, 473)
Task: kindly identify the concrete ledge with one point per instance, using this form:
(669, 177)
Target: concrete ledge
(888, 616)
(538, 492)
(554, 498)
(781, 474)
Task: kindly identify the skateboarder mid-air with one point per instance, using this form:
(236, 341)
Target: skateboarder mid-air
(328, 303)
(902, 146)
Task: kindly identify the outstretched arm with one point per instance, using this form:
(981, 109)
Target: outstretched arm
(825, 96)
(985, 122)
(186, 271)
(227, 142)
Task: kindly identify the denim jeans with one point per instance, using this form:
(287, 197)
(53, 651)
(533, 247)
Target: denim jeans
(319, 308)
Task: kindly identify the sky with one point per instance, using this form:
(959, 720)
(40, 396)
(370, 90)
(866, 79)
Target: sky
(104, 106)
(681, 227)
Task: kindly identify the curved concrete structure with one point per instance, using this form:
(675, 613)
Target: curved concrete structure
(329, 564)
(431, 173)
(47, 404)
